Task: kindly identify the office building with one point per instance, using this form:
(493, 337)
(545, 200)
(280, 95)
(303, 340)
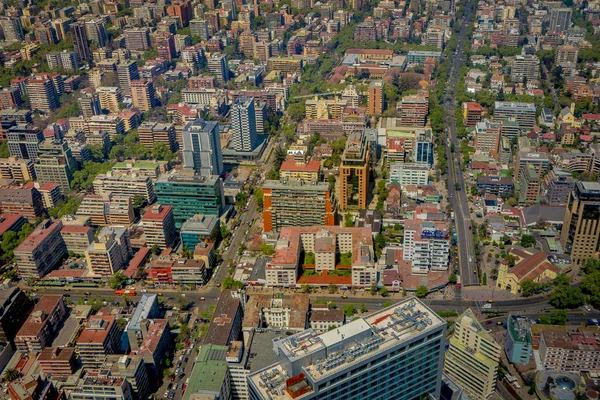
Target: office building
(20, 170)
(396, 352)
(42, 94)
(80, 41)
(202, 147)
(538, 160)
(143, 95)
(41, 251)
(523, 113)
(413, 110)
(24, 141)
(294, 203)
(15, 307)
(190, 195)
(375, 103)
(217, 65)
(42, 325)
(487, 137)
(557, 186)
(473, 356)
(518, 345)
(55, 163)
(243, 124)
(354, 172)
(101, 336)
(409, 174)
(125, 184)
(137, 39)
(581, 228)
(427, 245)
(127, 72)
(525, 68)
(159, 226)
(13, 31)
(211, 376)
(22, 200)
(57, 361)
(199, 229)
(560, 19)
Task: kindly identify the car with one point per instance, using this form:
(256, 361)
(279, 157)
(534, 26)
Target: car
(499, 323)
(181, 386)
(202, 298)
(177, 371)
(67, 289)
(379, 305)
(344, 297)
(489, 331)
(144, 290)
(587, 308)
(490, 301)
(160, 293)
(166, 394)
(218, 285)
(87, 293)
(189, 351)
(169, 386)
(488, 322)
(185, 360)
(179, 364)
(172, 394)
(474, 271)
(469, 227)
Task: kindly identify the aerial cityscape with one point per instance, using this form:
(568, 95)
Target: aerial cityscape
(299, 199)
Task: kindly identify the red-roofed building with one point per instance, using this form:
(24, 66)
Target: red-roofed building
(472, 113)
(101, 336)
(57, 361)
(159, 226)
(42, 325)
(11, 222)
(43, 250)
(293, 169)
(529, 266)
(138, 260)
(51, 194)
(155, 343)
(77, 238)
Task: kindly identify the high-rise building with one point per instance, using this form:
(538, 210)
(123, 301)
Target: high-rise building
(557, 186)
(523, 113)
(375, 105)
(16, 169)
(10, 98)
(566, 56)
(43, 250)
(67, 60)
(126, 184)
(199, 27)
(89, 103)
(354, 172)
(143, 95)
(101, 336)
(80, 41)
(518, 345)
(487, 137)
(55, 163)
(472, 113)
(42, 94)
(293, 203)
(413, 110)
(394, 353)
(13, 31)
(247, 40)
(243, 124)
(96, 31)
(126, 73)
(42, 324)
(165, 44)
(202, 147)
(473, 356)
(525, 67)
(110, 97)
(351, 96)
(137, 39)
(560, 19)
(217, 65)
(24, 200)
(16, 306)
(24, 141)
(423, 152)
(529, 185)
(181, 9)
(159, 226)
(190, 194)
(581, 227)
(156, 132)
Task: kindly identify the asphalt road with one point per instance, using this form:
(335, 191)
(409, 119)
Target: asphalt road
(458, 198)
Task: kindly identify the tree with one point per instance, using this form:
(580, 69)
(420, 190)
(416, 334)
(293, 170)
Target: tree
(379, 244)
(309, 258)
(4, 153)
(452, 278)
(258, 196)
(363, 308)
(349, 310)
(373, 289)
(558, 317)
(267, 249)
(561, 279)
(528, 288)
(155, 249)
(590, 265)
(10, 374)
(346, 259)
(117, 280)
(531, 390)
(332, 288)
(97, 151)
(186, 252)
(527, 240)
(421, 291)
(138, 201)
(182, 302)
(383, 291)
(348, 220)
(566, 297)
(305, 288)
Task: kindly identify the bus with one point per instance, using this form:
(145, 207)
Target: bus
(125, 292)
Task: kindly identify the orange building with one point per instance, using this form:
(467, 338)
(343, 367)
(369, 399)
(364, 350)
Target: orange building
(354, 172)
(375, 106)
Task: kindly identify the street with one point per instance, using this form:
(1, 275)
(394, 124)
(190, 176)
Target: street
(458, 198)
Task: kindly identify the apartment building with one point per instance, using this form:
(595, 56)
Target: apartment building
(538, 160)
(355, 167)
(41, 251)
(42, 325)
(523, 113)
(159, 226)
(566, 56)
(15, 307)
(375, 100)
(307, 172)
(57, 361)
(525, 68)
(155, 132)
(23, 200)
(573, 351)
(427, 245)
(110, 98)
(20, 170)
(487, 137)
(413, 110)
(24, 141)
(112, 124)
(104, 257)
(101, 336)
(557, 186)
(217, 65)
(42, 94)
(294, 203)
(409, 173)
(529, 185)
(55, 164)
(125, 184)
(143, 95)
(77, 238)
(406, 362)
(137, 39)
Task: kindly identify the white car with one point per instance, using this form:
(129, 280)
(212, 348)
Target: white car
(587, 308)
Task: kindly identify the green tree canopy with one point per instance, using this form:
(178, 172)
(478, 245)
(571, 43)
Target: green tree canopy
(421, 291)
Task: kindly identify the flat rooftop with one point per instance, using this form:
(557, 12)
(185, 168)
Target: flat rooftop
(343, 347)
